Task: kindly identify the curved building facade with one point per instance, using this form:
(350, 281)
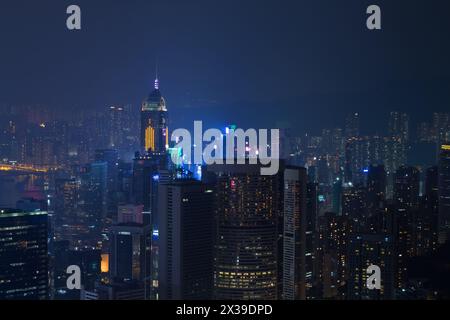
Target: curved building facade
(246, 225)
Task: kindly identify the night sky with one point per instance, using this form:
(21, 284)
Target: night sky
(249, 62)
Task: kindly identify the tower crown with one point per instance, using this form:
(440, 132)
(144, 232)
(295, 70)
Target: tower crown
(155, 101)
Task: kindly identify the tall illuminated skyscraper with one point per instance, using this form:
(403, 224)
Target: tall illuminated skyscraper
(406, 200)
(154, 122)
(444, 193)
(247, 212)
(23, 255)
(294, 236)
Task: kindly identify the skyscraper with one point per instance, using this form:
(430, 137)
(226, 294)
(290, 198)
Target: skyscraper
(116, 125)
(146, 171)
(111, 158)
(130, 253)
(311, 239)
(376, 189)
(154, 122)
(23, 255)
(444, 193)
(94, 191)
(432, 205)
(406, 201)
(247, 212)
(186, 240)
(294, 235)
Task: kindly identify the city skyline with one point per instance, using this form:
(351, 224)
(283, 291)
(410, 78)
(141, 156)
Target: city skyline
(125, 174)
(336, 65)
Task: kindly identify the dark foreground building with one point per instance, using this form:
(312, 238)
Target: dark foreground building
(186, 240)
(23, 255)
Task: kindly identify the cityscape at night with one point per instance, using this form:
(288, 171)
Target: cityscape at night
(115, 184)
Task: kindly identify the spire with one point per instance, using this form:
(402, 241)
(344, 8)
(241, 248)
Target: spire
(156, 78)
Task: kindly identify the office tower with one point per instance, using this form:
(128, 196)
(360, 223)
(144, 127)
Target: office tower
(117, 122)
(432, 205)
(23, 255)
(294, 233)
(312, 212)
(444, 193)
(149, 172)
(365, 250)
(348, 162)
(63, 256)
(123, 133)
(186, 243)
(124, 182)
(146, 171)
(247, 212)
(59, 261)
(406, 202)
(66, 201)
(154, 122)
(376, 189)
(94, 183)
(111, 158)
(130, 252)
(352, 125)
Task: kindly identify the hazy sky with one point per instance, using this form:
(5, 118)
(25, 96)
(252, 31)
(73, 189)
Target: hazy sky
(250, 62)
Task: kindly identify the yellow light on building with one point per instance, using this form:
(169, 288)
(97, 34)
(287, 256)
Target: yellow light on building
(445, 147)
(150, 138)
(167, 138)
(104, 265)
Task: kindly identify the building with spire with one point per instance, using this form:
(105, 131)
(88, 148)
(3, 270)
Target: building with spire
(154, 122)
